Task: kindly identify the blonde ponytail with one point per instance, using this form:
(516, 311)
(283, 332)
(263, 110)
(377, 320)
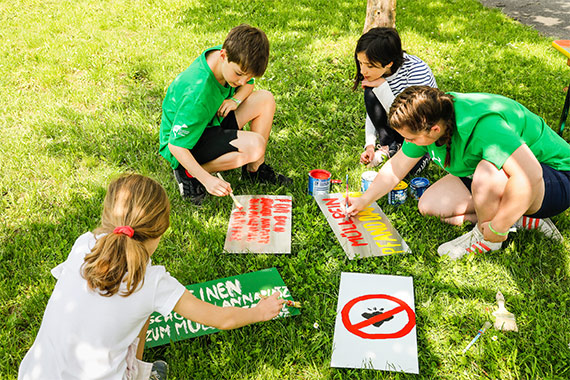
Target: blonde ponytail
(132, 201)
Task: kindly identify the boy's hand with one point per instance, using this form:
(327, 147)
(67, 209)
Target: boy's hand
(217, 187)
(269, 307)
(227, 106)
(367, 155)
(373, 83)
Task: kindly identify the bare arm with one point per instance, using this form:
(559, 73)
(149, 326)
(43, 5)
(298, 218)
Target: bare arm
(523, 192)
(241, 94)
(226, 318)
(388, 177)
(213, 185)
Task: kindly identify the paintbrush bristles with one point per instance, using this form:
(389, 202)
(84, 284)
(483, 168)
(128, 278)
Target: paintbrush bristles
(505, 321)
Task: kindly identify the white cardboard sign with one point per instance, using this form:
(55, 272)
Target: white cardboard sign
(376, 323)
(369, 233)
(262, 226)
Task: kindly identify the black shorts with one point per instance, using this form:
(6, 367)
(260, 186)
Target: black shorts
(215, 141)
(556, 191)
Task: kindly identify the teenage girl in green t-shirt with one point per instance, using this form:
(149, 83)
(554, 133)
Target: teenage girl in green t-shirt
(506, 166)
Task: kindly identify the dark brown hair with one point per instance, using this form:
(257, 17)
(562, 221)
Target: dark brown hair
(141, 203)
(418, 108)
(381, 45)
(248, 47)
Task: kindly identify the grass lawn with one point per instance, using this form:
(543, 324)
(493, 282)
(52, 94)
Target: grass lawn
(81, 86)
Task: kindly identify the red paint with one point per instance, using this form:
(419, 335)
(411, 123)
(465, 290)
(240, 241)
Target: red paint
(347, 227)
(357, 327)
(320, 174)
(257, 223)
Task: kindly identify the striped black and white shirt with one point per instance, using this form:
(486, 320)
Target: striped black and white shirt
(413, 72)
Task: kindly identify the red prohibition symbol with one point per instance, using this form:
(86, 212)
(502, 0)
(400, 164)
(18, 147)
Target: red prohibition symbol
(356, 328)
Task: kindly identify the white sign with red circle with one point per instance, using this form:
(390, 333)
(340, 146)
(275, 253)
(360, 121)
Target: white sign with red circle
(376, 323)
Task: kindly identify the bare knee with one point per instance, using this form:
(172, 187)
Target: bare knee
(488, 182)
(425, 206)
(428, 204)
(266, 98)
(255, 148)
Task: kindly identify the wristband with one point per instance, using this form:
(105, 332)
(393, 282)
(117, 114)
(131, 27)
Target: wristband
(238, 102)
(496, 232)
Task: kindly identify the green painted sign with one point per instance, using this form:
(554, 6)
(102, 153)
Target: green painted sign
(244, 290)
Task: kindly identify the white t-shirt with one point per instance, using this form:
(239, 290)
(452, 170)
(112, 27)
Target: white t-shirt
(85, 335)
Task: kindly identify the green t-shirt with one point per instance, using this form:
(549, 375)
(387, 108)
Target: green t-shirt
(190, 106)
(491, 127)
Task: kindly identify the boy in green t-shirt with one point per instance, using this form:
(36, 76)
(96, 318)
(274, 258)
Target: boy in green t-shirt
(205, 109)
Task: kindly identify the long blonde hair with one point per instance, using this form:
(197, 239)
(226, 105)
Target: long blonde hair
(141, 203)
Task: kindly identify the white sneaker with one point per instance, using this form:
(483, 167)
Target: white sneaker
(379, 156)
(543, 225)
(471, 242)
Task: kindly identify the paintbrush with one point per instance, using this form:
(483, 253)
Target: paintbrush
(346, 200)
(505, 321)
(236, 202)
(479, 333)
(295, 304)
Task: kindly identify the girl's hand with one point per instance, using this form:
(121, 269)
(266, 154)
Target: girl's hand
(227, 106)
(372, 83)
(490, 235)
(269, 307)
(217, 187)
(355, 205)
(367, 155)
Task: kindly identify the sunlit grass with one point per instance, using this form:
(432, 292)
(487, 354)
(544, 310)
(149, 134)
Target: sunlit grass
(82, 85)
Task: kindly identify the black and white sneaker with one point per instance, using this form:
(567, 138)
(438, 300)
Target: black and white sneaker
(393, 148)
(265, 174)
(189, 187)
(159, 370)
(421, 165)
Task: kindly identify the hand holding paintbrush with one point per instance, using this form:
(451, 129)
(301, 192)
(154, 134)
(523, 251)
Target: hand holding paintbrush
(236, 202)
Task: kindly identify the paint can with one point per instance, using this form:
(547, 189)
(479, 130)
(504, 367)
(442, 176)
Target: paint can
(399, 194)
(367, 179)
(319, 181)
(418, 185)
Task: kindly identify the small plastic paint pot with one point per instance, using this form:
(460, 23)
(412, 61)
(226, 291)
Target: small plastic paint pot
(399, 194)
(418, 185)
(319, 181)
(366, 179)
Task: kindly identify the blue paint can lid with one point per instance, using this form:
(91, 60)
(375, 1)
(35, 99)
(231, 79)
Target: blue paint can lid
(419, 182)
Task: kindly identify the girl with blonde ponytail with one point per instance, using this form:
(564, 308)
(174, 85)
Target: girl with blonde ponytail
(96, 319)
(508, 170)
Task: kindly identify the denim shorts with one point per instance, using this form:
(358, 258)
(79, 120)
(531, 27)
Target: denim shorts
(556, 191)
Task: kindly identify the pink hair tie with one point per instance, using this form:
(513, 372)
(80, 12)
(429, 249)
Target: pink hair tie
(125, 230)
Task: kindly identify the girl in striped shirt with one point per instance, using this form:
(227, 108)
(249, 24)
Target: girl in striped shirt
(384, 70)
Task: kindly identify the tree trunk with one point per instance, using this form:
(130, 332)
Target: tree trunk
(380, 13)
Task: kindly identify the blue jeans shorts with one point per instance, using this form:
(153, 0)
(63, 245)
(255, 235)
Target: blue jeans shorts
(556, 191)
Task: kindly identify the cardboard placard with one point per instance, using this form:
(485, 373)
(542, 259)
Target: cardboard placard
(376, 323)
(244, 290)
(262, 226)
(369, 233)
